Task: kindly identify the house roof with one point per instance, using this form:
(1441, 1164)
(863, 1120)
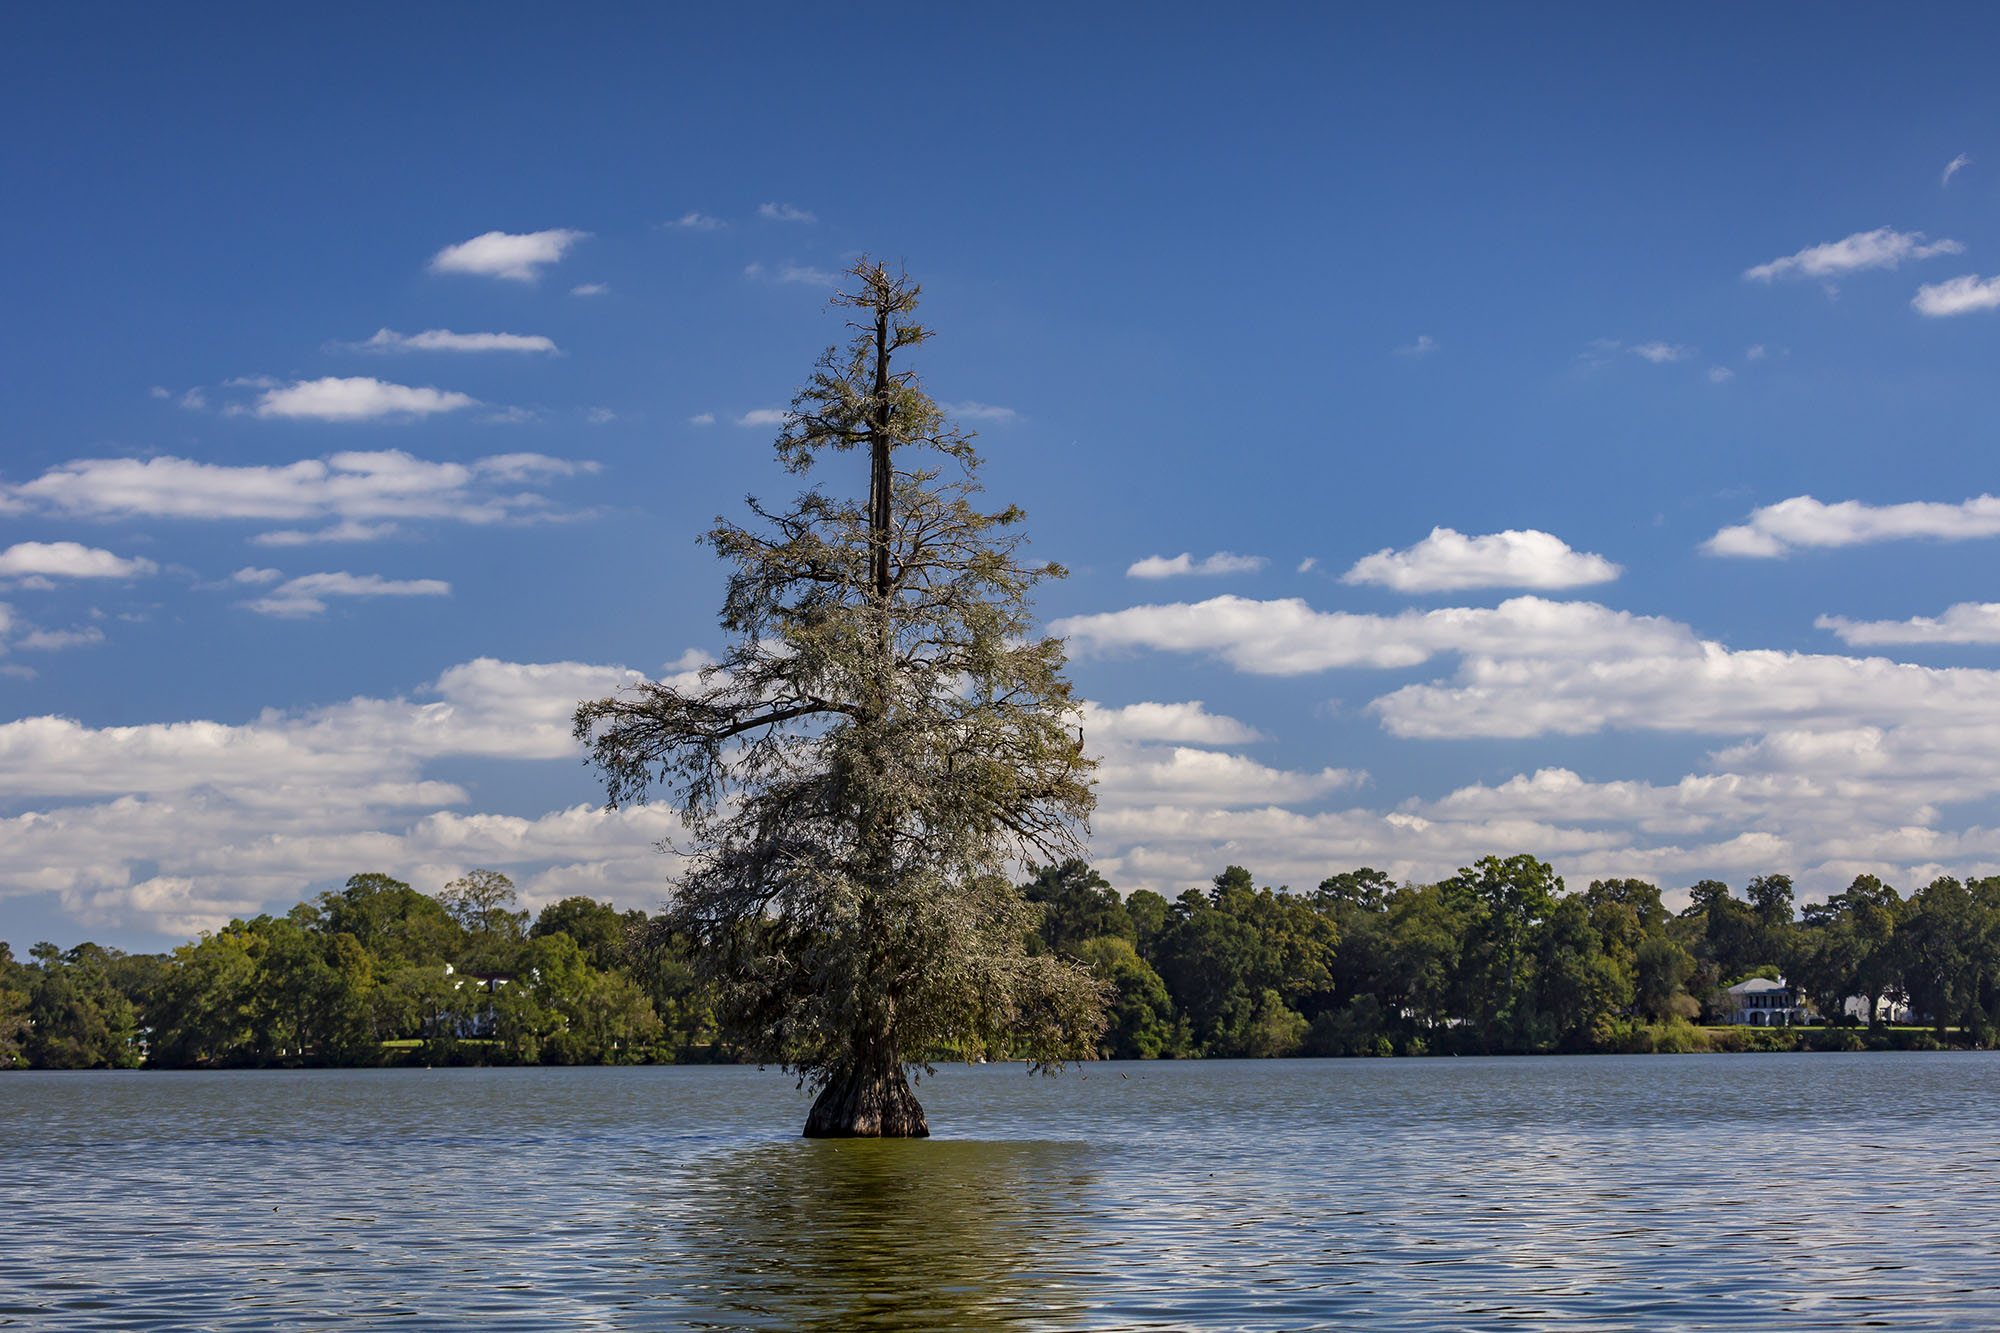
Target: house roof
(1757, 986)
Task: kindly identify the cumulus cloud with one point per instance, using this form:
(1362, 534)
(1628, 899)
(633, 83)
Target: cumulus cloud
(306, 595)
(69, 560)
(359, 494)
(1965, 622)
(132, 819)
(1661, 353)
(346, 530)
(1958, 296)
(1802, 521)
(357, 398)
(1286, 637)
(784, 213)
(1448, 560)
(1882, 248)
(1167, 567)
(972, 411)
(54, 640)
(519, 257)
(18, 633)
(1181, 775)
(1188, 722)
(764, 416)
(444, 340)
(1832, 765)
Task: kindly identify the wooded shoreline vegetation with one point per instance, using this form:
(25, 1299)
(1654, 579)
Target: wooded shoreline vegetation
(1496, 959)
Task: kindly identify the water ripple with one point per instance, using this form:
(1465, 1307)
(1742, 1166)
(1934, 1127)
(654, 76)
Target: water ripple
(1830, 1192)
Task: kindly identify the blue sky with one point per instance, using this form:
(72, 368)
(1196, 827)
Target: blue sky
(1678, 329)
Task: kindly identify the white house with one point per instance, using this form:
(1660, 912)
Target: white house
(1763, 1003)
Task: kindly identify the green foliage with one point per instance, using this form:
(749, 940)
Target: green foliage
(16, 983)
(604, 932)
(76, 1016)
(1239, 959)
(1142, 1022)
(1078, 904)
(1497, 958)
(885, 734)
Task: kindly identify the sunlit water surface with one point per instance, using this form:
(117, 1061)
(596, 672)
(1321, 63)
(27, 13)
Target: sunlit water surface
(1769, 1192)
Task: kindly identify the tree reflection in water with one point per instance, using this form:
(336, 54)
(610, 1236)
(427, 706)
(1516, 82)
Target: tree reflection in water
(858, 1234)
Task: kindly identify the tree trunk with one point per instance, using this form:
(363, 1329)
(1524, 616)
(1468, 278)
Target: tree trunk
(868, 1101)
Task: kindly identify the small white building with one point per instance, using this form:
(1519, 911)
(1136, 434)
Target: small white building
(1761, 1002)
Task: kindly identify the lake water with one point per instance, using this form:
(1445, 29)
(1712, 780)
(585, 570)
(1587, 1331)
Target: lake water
(1768, 1192)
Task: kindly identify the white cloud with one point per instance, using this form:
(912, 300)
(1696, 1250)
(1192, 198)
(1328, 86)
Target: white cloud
(347, 530)
(697, 221)
(54, 640)
(356, 492)
(812, 277)
(194, 400)
(1720, 374)
(180, 825)
(307, 594)
(764, 416)
(160, 391)
(1803, 521)
(590, 289)
(1836, 765)
(972, 411)
(1958, 296)
(1881, 248)
(1965, 622)
(1755, 352)
(1183, 775)
(784, 213)
(1660, 353)
(599, 416)
(702, 419)
(519, 257)
(444, 340)
(1423, 346)
(1306, 565)
(252, 575)
(1953, 167)
(1449, 561)
(1189, 723)
(70, 560)
(357, 398)
(1286, 637)
(1167, 567)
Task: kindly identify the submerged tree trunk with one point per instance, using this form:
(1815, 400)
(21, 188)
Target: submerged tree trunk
(869, 1100)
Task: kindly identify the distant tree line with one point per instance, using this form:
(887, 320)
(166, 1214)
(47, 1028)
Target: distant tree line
(1497, 958)
(369, 973)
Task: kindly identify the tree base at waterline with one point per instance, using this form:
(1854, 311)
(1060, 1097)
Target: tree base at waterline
(875, 1105)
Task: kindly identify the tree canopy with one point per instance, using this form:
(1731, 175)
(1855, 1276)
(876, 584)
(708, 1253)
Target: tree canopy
(886, 733)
